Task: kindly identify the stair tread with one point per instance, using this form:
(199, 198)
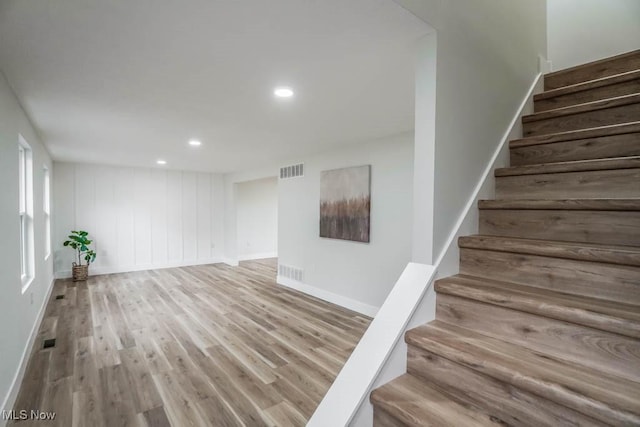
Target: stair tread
(592, 63)
(578, 387)
(563, 204)
(417, 403)
(600, 65)
(623, 255)
(572, 135)
(630, 162)
(601, 104)
(590, 84)
(615, 317)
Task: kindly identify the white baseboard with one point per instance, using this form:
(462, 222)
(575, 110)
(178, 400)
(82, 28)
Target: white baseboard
(11, 397)
(349, 303)
(260, 255)
(544, 65)
(65, 274)
(233, 262)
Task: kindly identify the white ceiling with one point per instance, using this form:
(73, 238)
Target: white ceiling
(128, 82)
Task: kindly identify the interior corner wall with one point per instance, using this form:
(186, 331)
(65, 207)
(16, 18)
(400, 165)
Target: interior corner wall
(19, 313)
(257, 218)
(581, 31)
(487, 58)
(424, 149)
(139, 218)
(356, 275)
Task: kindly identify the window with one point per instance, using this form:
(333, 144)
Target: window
(25, 181)
(46, 207)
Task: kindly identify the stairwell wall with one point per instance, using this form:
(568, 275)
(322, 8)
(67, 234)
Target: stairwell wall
(487, 55)
(581, 31)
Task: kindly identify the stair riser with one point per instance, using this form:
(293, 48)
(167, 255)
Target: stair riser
(540, 305)
(593, 279)
(511, 404)
(589, 95)
(588, 119)
(581, 149)
(621, 64)
(615, 183)
(383, 419)
(606, 227)
(601, 350)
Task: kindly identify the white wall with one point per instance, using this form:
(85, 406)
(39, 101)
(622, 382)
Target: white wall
(424, 149)
(257, 218)
(356, 275)
(138, 218)
(486, 58)
(19, 313)
(229, 188)
(582, 31)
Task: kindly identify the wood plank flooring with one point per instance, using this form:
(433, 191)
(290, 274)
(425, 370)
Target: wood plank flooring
(194, 346)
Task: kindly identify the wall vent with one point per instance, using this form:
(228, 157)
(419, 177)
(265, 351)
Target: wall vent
(292, 171)
(290, 272)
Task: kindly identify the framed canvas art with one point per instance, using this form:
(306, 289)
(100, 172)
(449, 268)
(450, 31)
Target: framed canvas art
(345, 203)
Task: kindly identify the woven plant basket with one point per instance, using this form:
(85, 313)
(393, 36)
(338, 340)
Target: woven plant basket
(80, 272)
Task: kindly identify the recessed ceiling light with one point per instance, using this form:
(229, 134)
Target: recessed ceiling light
(161, 162)
(195, 143)
(283, 92)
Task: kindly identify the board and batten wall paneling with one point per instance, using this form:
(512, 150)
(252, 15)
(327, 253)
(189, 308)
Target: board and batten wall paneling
(139, 218)
(142, 216)
(174, 216)
(203, 216)
(105, 210)
(126, 239)
(159, 233)
(189, 216)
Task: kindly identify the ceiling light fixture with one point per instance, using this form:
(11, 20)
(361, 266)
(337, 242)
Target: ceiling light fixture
(195, 143)
(161, 162)
(283, 92)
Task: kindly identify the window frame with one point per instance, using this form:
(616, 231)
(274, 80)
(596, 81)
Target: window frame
(46, 209)
(25, 213)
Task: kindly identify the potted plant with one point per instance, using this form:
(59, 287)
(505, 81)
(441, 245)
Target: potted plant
(79, 241)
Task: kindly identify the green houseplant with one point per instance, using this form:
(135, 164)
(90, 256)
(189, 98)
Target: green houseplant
(79, 240)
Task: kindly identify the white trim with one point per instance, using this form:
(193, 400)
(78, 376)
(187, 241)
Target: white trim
(342, 301)
(46, 210)
(26, 282)
(232, 262)
(355, 380)
(260, 255)
(65, 274)
(544, 65)
(10, 398)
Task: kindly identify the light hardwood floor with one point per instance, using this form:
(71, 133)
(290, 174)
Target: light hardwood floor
(194, 346)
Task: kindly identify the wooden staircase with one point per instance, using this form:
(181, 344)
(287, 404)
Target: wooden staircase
(542, 325)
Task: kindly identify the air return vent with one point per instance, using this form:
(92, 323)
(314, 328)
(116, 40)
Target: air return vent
(292, 171)
(290, 272)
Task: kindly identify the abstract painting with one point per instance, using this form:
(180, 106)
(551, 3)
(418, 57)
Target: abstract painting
(345, 204)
